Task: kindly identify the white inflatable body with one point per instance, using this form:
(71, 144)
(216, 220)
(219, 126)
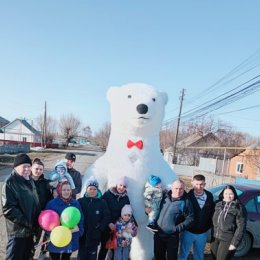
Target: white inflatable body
(137, 111)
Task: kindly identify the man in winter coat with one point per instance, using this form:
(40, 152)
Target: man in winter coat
(203, 206)
(21, 208)
(176, 215)
(70, 159)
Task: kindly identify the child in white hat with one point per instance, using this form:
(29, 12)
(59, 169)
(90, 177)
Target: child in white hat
(126, 230)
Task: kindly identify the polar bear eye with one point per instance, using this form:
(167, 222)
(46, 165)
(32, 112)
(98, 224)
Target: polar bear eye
(129, 96)
(154, 99)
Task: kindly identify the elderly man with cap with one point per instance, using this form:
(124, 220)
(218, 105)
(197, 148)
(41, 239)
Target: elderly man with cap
(76, 176)
(21, 208)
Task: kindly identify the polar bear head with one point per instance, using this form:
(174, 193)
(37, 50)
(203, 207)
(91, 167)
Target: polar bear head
(136, 108)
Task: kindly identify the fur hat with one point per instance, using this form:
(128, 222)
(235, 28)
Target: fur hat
(126, 210)
(70, 156)
(92, 182)
(121, 181)
(154, 180)
(21, 159)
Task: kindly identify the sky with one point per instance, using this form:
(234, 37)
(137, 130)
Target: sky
(68, 53)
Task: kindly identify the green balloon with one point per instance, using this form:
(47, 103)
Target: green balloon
(70, 217)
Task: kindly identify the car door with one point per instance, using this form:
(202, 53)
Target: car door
(253, 219)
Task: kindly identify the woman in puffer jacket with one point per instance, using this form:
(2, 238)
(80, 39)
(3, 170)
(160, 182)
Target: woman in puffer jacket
(229, 221)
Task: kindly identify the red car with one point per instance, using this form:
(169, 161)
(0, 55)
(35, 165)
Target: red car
(249, 195)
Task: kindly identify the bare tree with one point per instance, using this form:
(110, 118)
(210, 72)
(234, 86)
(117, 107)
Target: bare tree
(166, 138)
(51, 127)
(102, 136)
(69, 126)
(87, 132)
(253, 157)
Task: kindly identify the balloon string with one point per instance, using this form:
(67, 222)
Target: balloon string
(43, 243)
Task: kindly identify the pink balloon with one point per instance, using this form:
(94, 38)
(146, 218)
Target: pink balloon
(48, 219)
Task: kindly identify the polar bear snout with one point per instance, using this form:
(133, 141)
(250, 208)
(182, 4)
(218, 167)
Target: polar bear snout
(142, 109)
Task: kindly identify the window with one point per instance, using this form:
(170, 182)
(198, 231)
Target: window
(239, 168)
(251, 206)
(24, 139)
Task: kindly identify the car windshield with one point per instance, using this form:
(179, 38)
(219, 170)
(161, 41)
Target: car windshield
(217, 190)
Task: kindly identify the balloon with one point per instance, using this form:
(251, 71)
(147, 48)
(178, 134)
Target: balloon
(60, 236)
(70, 217)
(48, 219)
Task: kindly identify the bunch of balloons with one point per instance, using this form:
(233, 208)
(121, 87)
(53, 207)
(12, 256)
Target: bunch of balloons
(59, 227)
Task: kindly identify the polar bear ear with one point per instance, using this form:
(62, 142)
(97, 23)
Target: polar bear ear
(164, 97)
(111, 93)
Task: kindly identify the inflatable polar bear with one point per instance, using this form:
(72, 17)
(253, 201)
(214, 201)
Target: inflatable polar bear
(137, 111)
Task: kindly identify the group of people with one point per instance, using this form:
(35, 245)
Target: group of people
(177, 219)
(182, 220)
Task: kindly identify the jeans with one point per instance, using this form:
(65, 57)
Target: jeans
(197, 240)
(122, 253)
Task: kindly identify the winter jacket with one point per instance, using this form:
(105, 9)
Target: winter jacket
(176, 215)
(55, 176)
(152, 196)
(21, 206)
(59, 205)
(229, 221)
(202, 216)
(44, 191)
(125, 232)
(115, 201)
(76, 176)
(96, 215)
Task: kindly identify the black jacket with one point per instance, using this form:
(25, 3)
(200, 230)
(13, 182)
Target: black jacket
(96, 219)
(175, 215)
(115, 201)
(202, 216)
(21, 206)
(229, 221)
(76, 176)
(44, 191)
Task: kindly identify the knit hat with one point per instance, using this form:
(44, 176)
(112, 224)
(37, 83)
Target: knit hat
(154, 180)
(21, 159)
(70, 156)
(121, 181)
(126, 210)
(92, 182)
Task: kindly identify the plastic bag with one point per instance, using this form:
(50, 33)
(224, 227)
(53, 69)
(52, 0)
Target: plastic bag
(112, 241)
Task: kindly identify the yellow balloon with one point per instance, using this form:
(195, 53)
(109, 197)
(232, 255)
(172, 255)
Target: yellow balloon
(60, 236)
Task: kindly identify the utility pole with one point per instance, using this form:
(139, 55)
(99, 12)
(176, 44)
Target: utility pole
(177, 127)
(44, 124)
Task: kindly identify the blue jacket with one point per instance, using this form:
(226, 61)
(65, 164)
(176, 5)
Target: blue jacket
(59, 205)
(175, 215)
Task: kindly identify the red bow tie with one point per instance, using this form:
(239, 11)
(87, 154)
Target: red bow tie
(139, 144)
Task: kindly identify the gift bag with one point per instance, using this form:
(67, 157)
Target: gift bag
(112, 241)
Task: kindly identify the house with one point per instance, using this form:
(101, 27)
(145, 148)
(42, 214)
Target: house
(191, 148)
(3, 122)
(246, 164)
(20, 131)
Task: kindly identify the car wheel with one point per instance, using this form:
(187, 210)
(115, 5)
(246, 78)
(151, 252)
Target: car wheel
(245, 245)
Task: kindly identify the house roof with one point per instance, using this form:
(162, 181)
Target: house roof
(26, 124)
(193, 140)
(3, 121)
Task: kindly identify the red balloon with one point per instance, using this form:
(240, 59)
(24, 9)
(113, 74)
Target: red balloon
(48, 219)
